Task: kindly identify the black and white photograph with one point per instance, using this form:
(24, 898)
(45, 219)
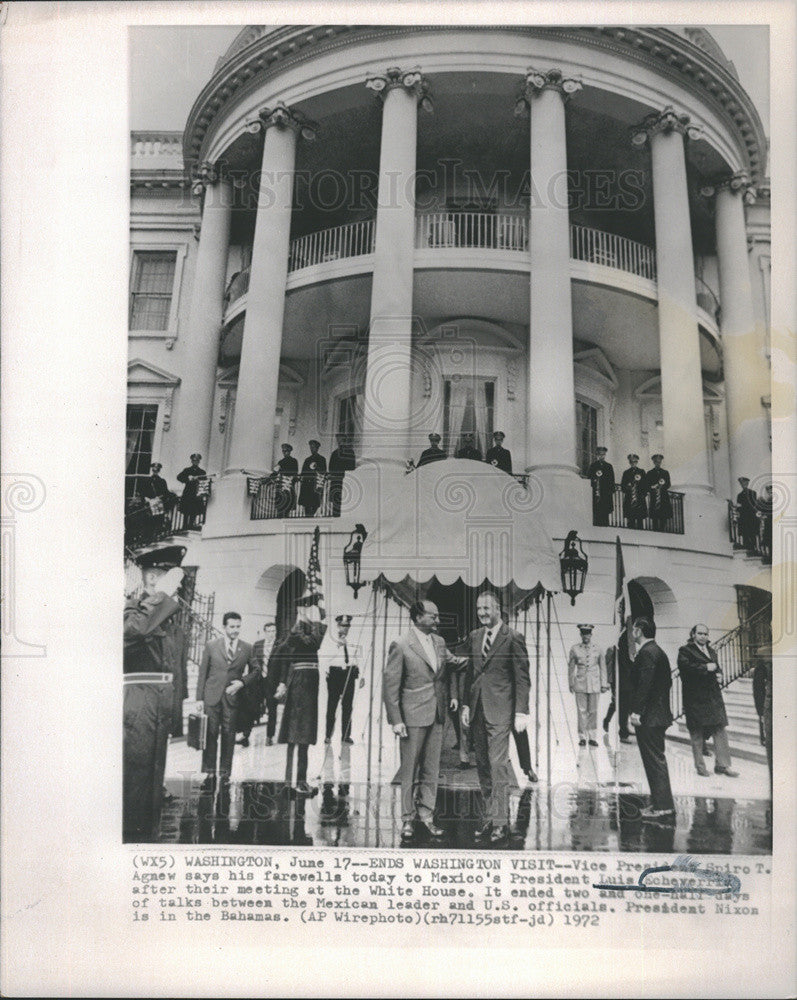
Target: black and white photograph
(448, 489)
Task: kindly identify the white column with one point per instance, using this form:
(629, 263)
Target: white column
(387, 404)
(195, 404)
(679, 340)
(742, 343)
(551, 426)
(258, 379)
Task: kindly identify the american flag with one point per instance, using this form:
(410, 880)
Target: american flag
(314, 592)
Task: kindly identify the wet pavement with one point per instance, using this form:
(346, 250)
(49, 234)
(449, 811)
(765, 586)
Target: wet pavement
(591, 804)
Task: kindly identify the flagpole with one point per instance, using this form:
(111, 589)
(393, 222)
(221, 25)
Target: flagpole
(537, 603)
(371, 713)
(548, 685)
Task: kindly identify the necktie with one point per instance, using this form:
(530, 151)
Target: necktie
(487, 644)
(230, 652)
(345, 654)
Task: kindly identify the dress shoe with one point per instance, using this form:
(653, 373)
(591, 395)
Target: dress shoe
(593, 743)
(244, 742)
(328, 740)
(703, 772)
(269, 741)
(434, 831)
(483, 832)
(706, 752)
(407, 830)
(582, 743)
(530, 774)
(348, 740)
(727, 771)
(625, 739)
(650, 813)
(499, 835)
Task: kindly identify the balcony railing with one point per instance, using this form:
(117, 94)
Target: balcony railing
(707, 300)
(757, 540)
(471, 230)
(610, 250)
(143, 526)
(277, 496)
(672, 526)
(352, 240)
(735, 654)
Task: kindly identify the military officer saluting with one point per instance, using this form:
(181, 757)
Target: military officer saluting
(498, 454)
(633, 486)
(434, 453)
(601, 477)
(657, 483)
(468, 449)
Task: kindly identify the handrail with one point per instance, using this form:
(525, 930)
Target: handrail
(707, 299)
(610, 250)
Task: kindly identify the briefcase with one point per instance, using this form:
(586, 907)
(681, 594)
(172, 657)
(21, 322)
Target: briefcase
(197, 731)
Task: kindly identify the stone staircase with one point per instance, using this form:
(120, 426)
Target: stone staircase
(743, 731)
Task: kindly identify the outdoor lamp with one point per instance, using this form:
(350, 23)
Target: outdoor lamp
(573, 564)
(351, 558)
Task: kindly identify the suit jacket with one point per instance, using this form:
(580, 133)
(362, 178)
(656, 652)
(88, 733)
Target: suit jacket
(500, 457)
(216, 671)
(653, 680)
(415, 690)
(501, 679)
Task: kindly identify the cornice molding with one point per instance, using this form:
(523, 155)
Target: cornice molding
(266, 52)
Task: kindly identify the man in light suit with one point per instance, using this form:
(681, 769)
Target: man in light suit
(651, 715)
(221, 677)
(497, 691)
(414, 689)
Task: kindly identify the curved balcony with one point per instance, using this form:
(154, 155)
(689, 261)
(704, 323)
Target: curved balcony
(461, 234)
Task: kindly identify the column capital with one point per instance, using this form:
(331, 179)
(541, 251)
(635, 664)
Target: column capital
(413, 81)
(537, 82)
(283, 117)
(664, 122)
(736, 183)
(205, 174)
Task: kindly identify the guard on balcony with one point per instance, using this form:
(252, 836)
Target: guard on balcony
(469, 450)
(746, 501)
(657, 483)
(156, 491)
(341, 461)
(311, 490)
(498, 455)
(192, 504)
(601, 477)
(434, 453)
(633, 486)
(287, 469)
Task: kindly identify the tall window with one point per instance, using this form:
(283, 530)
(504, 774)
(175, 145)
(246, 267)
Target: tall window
(468, 408)
(586, 435)
(347, 416)
(151, 294)
(141, 423)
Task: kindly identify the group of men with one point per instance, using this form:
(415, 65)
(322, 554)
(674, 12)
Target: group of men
(416, 693)
(754, 514)
(645, 494)
(497, 456)
(149, 509)
(312, 476)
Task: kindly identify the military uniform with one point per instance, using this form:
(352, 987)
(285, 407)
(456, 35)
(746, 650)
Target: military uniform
(498, 455)
(601, 477)
(632, 484)
(341, 461)
(434, 453)
(657, 483)
(309, 493)
(746, 502)
(191, 504)
(586, 675)
(472, 453)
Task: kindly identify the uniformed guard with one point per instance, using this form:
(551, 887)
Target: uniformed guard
(657, 483)
(434, 453)
(469, 449)
(498, 455)
(154, 688)
(341, 461)
(311, 490)
(633, 486)
(747, 506)
(286, 470)
(601, 477)
(587, 678)
(192, 502)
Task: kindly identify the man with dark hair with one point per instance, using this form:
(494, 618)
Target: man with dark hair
(651, 716)
(434, 453)
(192, 503)
(414, 689)
(497, 691)
(221, 677)
(264, 660)
(499, 456)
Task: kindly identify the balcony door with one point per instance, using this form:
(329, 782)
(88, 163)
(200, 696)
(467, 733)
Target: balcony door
(468, 408)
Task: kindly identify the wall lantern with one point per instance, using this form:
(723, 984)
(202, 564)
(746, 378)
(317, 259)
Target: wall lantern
(351, 558)
(573, 564)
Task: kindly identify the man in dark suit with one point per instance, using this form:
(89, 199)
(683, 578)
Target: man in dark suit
(221, 677)
(497, 691)
(601, 477)
(651, 716)
(262, 659)
(414, 688)
(434, 453)
(657, 483)
(498, 454)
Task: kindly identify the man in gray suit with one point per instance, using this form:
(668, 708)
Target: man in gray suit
(414, 689)
(219, 681)
(497, 692)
